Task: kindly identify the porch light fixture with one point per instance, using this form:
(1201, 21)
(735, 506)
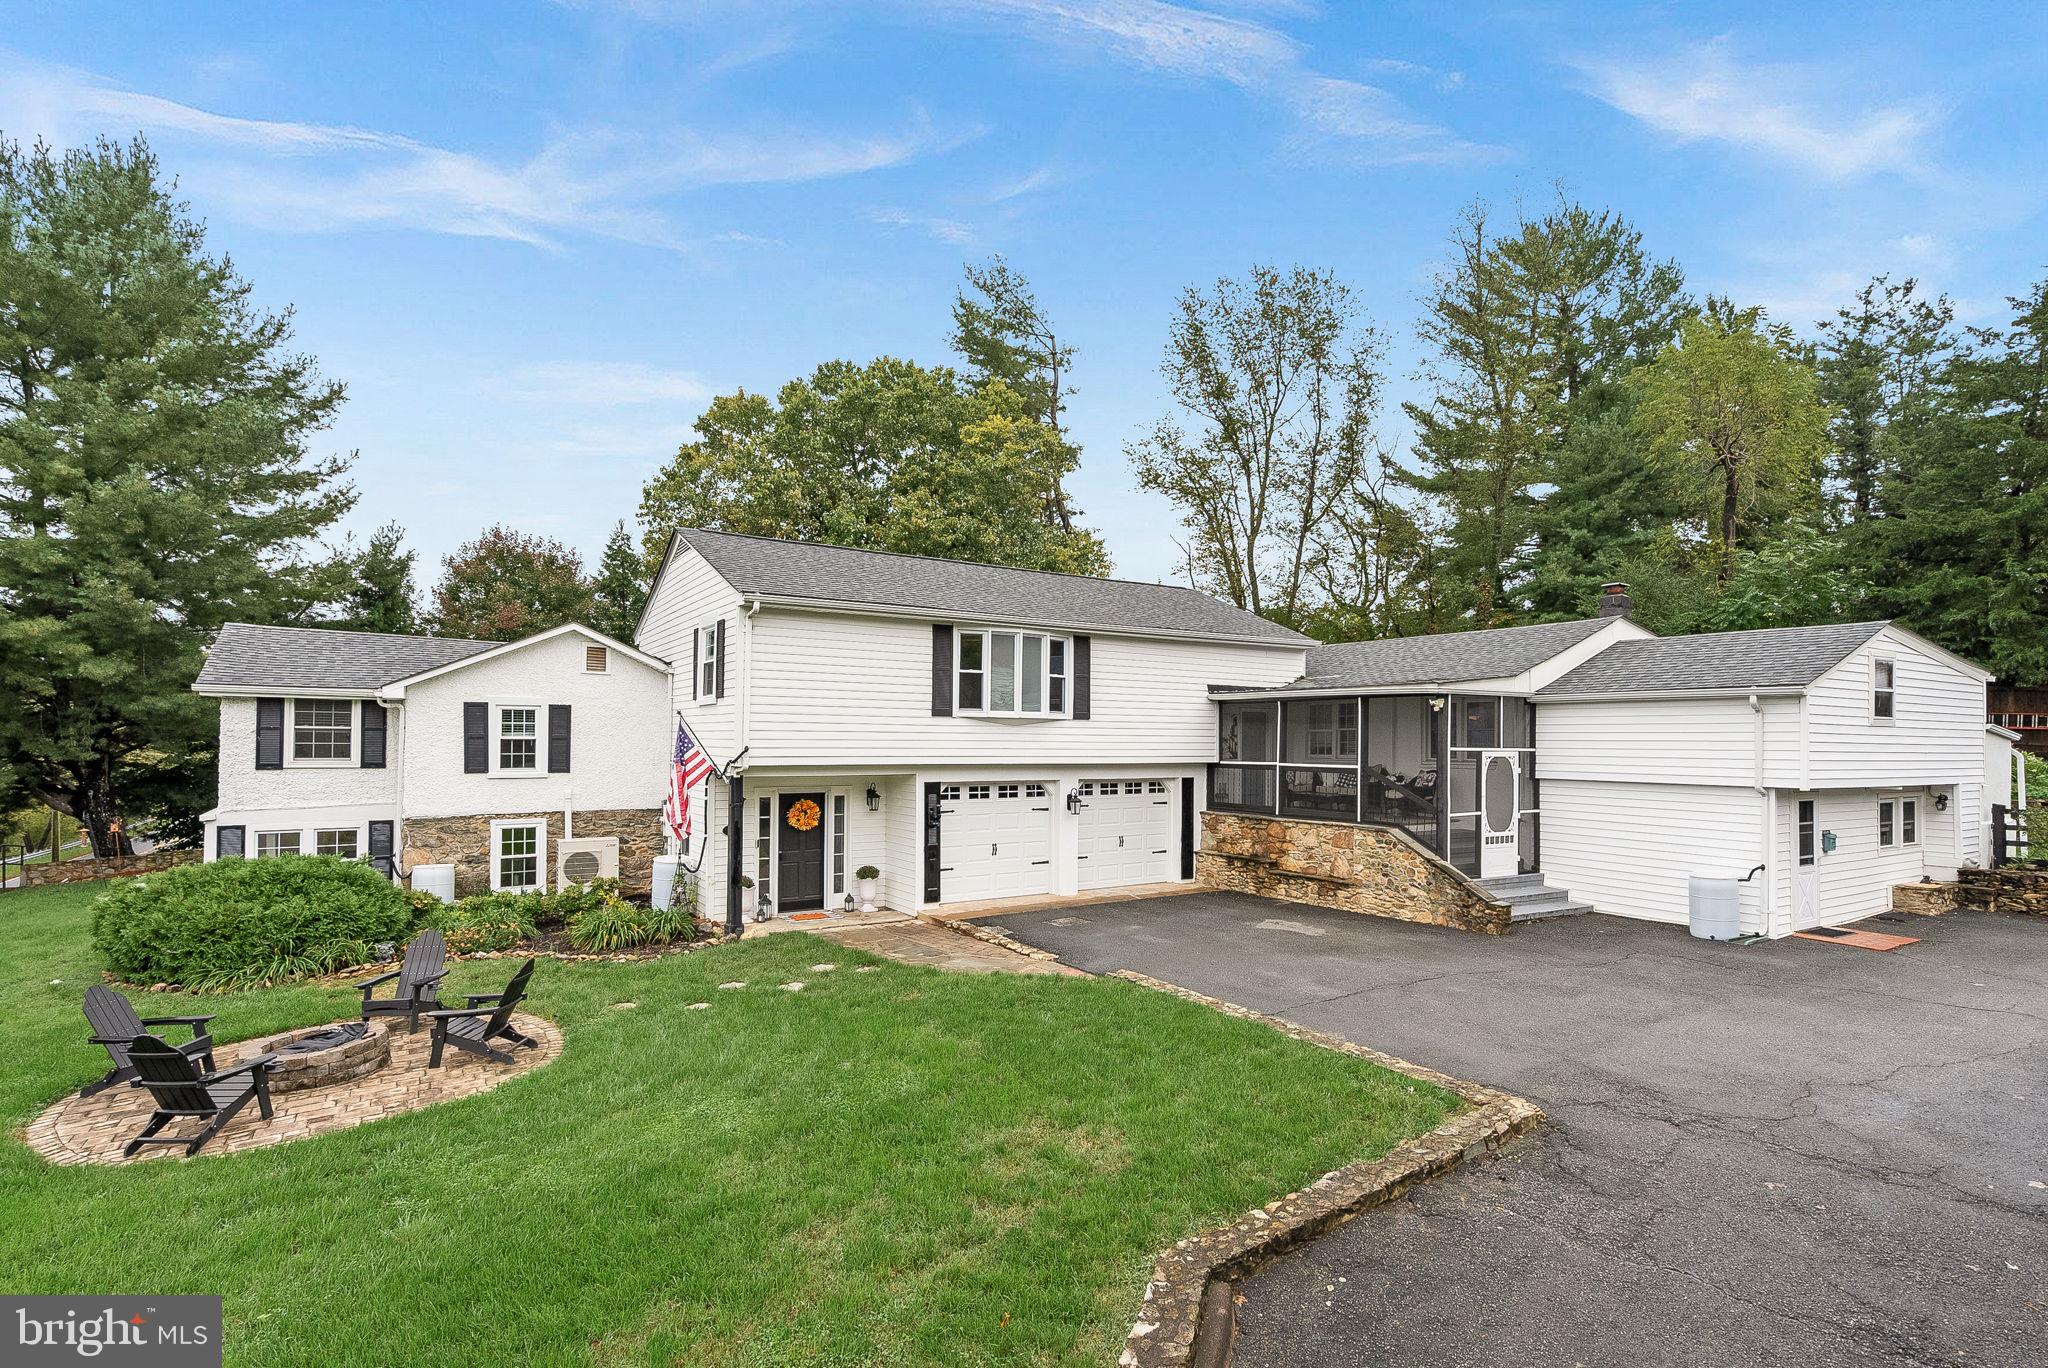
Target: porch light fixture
(1074, 800)
(1941, 802)
(874, 799)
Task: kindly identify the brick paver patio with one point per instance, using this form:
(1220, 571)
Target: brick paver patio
(92, 1130)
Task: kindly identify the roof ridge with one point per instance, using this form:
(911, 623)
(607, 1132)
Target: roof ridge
(1874, 624)
(352, 632)
(956, 560)
(1470, 632)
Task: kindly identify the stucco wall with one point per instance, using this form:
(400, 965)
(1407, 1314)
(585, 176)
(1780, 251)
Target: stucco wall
(243, 787)
(621, 735)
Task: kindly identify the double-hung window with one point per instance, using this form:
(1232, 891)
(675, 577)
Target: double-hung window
(1909, 821)
(519, 739)
(1886, 833)
(322, 728)
(707, 661)
(515, 864)
(1011, 674)
(1883, 694)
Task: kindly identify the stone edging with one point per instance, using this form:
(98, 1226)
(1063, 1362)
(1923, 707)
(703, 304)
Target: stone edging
(1171, 1319)
(993, 937)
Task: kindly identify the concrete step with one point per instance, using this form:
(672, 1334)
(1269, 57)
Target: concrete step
(1530, 899)
(1522, 912)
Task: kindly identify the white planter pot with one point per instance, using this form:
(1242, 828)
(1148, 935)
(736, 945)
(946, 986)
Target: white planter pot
(866, 889)
(747, 904)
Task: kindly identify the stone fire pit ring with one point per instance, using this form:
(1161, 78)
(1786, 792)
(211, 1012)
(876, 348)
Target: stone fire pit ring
(302, 1061)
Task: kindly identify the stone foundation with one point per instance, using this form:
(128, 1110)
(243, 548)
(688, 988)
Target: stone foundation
(119, 867)
(465, 842)
(1373, 870)
(1924, 899)
(2004, 890)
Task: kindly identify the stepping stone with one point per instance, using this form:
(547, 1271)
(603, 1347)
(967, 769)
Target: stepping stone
(868, 969)
(793, 986)
(823, 968)
(697, 1006)
(622, 1006)
(736, 983)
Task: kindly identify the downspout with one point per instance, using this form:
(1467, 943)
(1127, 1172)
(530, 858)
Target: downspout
(398, 825)
(1768, 815)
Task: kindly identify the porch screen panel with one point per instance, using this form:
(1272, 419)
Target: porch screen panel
(1403, 770)
(1331, 794)
(1246, 788)
(1245, 732)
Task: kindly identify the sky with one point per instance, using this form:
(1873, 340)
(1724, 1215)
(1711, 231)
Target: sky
(533, 239)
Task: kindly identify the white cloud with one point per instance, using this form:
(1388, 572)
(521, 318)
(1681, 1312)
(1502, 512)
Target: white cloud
(942, 229)
(1705, 95)
(310, 177)
(1030, 183)
(606, 384)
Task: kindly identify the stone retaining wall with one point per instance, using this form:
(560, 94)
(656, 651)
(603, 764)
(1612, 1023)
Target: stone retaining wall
(2004, 890)
(1924, 899)
(465, 842)
(118, 867)
(1374, 870)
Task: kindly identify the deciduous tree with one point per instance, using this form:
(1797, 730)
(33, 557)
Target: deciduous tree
(506, 585)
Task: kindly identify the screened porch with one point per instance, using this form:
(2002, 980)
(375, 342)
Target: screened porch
(1454, 771)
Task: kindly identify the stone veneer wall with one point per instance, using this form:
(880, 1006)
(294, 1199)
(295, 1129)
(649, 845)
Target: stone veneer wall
(465, 842)
(2004, 890)
(1924, 899)
(1334, 864)
(120, 867)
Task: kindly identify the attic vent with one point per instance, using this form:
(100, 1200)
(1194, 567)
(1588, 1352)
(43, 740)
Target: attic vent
(594, 659)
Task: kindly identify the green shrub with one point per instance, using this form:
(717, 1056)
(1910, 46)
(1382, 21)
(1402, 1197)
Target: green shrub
(599, 921)
(486, 921)
(242, 923)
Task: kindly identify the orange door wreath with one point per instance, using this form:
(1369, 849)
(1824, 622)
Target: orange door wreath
(804, 815)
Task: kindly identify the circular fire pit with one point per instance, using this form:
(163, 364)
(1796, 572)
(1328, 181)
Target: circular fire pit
(326, 1055)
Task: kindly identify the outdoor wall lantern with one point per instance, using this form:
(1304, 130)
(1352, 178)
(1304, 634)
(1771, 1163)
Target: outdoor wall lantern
(1941, 802)
(1074, 800)
(874, 799)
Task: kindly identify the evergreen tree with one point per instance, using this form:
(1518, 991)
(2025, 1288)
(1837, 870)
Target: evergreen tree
(1005, 338)
(154, 484)
(1880, 363)
(379, 594)
(620, 587)
(506, 585)
(1964, 556)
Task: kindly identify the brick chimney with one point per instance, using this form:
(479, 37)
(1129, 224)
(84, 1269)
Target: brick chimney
(1614, 601)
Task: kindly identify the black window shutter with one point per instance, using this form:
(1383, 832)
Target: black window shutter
(696, 660)
(719, 691)
(932, 820)
(373, 735)
(476, 741)
(558, 738)
(1187, 827)
(942, 669)
(1081, 654)
(270, 733)
(380, 848)
(230, 842)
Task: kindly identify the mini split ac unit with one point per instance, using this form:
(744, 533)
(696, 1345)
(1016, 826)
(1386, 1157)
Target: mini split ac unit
(583, 858)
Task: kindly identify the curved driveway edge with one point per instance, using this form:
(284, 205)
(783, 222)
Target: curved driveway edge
(1171, 1324)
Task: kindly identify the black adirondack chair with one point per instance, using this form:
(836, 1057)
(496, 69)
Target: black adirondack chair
(181, 1090)
(474, 1027)
(419, 981)
(114, 1024)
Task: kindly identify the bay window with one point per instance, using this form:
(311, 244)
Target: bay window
(1011, 674)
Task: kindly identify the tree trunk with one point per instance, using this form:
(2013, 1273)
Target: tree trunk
(1728, 502)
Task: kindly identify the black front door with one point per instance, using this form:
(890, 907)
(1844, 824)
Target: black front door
(800, 868)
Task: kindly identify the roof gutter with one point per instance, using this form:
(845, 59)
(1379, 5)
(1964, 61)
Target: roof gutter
(1670, 695)
(277, 691)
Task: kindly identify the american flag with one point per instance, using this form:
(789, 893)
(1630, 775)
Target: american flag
(691, 768)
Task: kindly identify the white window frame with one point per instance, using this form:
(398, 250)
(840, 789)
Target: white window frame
(1044, 676)
(278, 837)
(499, 707)
(1909, 821)
(291, 735)
(539, 827)
(355, 838)
(1887, 823)
(706, 663)
(1889, 692)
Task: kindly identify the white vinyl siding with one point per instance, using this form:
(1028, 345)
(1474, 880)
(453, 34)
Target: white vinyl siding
(1679, 741)
(841, 690)
(1934, 736)
(1629, 848)
(689, 594)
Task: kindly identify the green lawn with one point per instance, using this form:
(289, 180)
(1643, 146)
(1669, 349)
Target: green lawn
(896, 1167)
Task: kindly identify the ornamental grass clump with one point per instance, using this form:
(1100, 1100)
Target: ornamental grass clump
(236, 924)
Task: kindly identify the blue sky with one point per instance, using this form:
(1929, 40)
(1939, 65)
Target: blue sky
(533, 239)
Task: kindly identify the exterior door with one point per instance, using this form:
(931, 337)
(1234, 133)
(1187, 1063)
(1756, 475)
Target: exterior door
(1805, 865)
(1500, 774)
(1126, 833)
(996, 837)
(800, 858)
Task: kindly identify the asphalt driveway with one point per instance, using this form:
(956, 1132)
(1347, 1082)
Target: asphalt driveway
(1788, 1153)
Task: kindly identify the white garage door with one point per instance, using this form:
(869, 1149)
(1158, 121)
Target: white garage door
(995, 840)
(1127, 833)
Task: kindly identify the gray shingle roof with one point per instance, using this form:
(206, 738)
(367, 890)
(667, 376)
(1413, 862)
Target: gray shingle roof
(286, 658)
(966, 589)
(1774, 657)
(1447, 658)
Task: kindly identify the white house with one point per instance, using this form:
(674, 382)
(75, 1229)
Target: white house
(978, 732)
(433, 750)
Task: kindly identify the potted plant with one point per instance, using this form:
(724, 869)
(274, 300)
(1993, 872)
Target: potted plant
(746, 898)
(864, 883)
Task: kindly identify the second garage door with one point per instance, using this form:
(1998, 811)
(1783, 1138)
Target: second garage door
(995, 840)
(1127, 832)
